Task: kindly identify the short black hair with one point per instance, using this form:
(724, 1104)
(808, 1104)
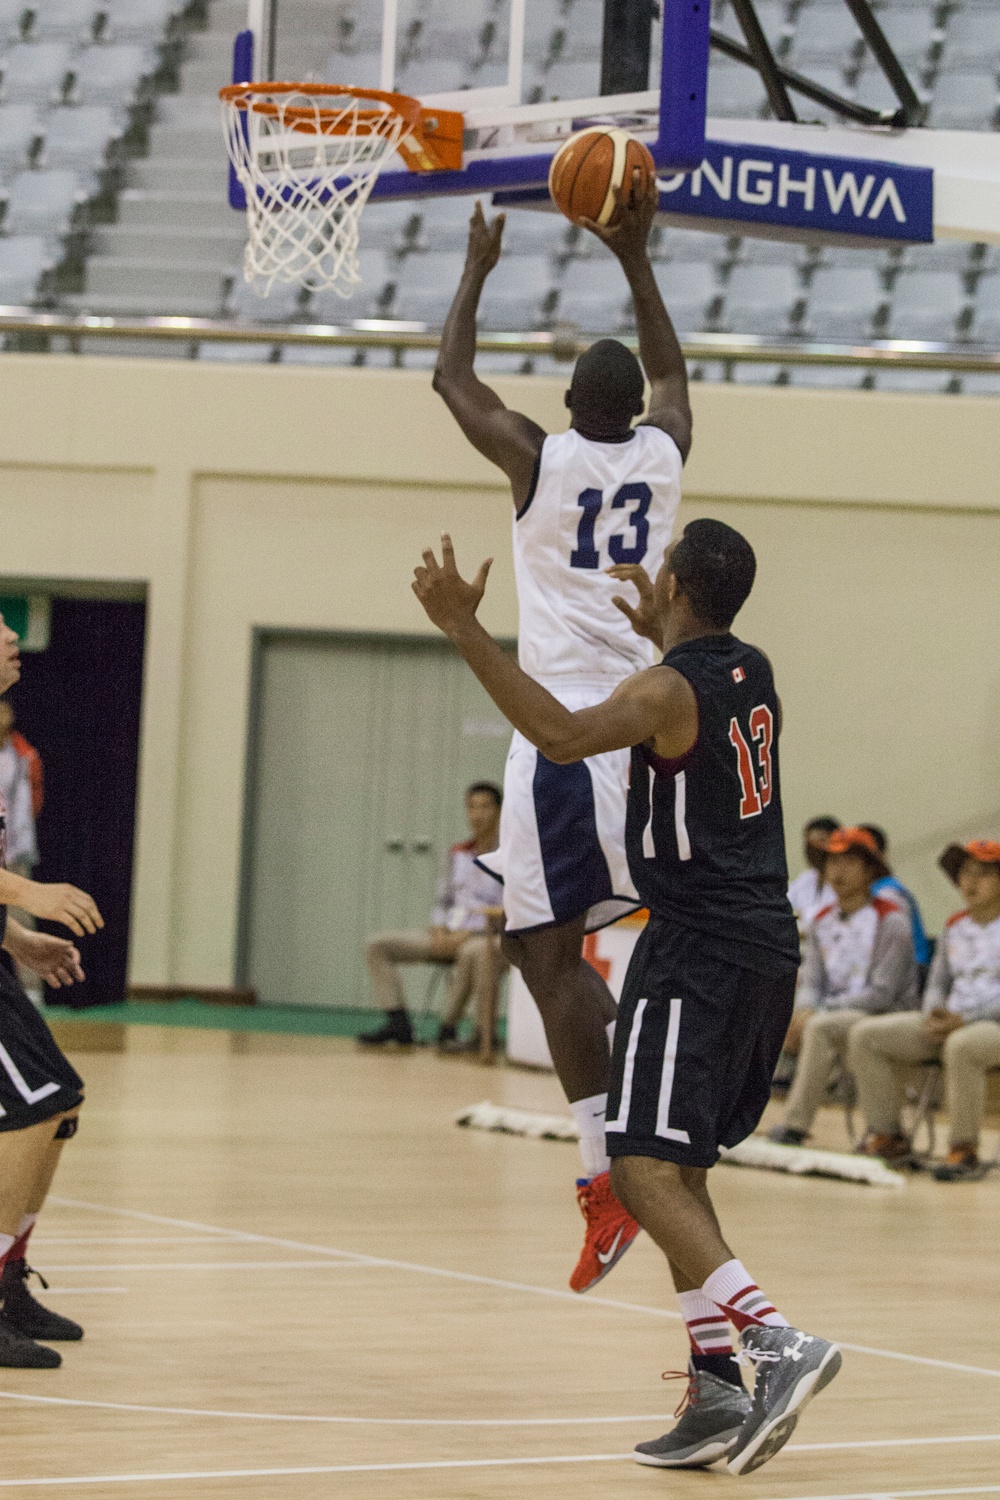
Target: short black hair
(878, 834)
(715, 568)
(607, 389)
(489, 787)
(824, 824)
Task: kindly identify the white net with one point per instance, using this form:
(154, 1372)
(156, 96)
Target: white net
(307, 157)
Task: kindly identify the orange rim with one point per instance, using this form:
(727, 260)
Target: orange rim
(324, 122)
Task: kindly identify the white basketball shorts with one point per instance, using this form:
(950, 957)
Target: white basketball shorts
(562, 834)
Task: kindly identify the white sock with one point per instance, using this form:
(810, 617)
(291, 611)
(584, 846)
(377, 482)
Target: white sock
(732, 1288)
(590, 1115)
(707, 1326)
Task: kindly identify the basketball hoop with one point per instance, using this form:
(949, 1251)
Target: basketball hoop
(307, 156)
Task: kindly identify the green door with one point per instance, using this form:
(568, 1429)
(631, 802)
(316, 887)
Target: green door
(361, 750)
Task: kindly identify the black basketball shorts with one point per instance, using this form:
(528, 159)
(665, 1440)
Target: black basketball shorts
(696, 1045)
(36, 1081)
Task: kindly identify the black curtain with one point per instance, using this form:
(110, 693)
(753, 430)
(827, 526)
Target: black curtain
(78, 703)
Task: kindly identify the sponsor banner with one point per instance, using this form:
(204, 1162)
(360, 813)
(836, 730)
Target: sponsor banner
(800, 190)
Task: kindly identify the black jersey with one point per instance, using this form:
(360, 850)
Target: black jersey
(704, 834)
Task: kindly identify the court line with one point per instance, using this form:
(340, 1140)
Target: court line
(452, 1463)
(254, 1416)
(215, 1265)
(130, 1239)
(85, 1291)
(491, 1281)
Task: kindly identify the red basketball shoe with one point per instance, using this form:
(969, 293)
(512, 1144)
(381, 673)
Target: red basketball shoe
(610, 1231)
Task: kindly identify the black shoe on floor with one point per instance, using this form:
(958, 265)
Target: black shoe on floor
(396, 1032)
(447, 1036)
(19, 1353)
(787, 1135)
(28, 1317)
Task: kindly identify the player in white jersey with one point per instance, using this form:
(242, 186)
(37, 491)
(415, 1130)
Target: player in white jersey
(590, 504)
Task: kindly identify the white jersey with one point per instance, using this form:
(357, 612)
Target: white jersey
(593, 504)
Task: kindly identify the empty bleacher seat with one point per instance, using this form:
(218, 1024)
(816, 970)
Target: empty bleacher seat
(690, 290)
(827, 377)
(516, 292)
(572, 80)
(986, 317)
(20, 128)
(63, 20)
(425, 287)
(761, 299)
(386, 226)
(79, 138)
(972, 39)
(527, 233)
(825, 31)
(378, 273)
(361, 68)
(915, 382)
(434, 75)
(772, 15)
(43, 202)
(964, 101)
(735, 91)
(927, 304)
(283, 304)
(111, 74)
(219, 353)
(981, 385)
(35, 74)
(23, 260)
(11, 19)
(911, 31)
(843, 301)
(749, 373)
(593, 296)
(138, 20)
(751, 251)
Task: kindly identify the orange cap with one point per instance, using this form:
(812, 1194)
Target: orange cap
(846, 839)
(986, 851)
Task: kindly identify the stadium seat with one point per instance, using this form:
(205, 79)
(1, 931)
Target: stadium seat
(750, 251)
(353, 67)
(23, 260)
(843, 301)
(593, 296)
(42, 203)
(572, 80)
(964, 101)
(79, 138)
(111, 75)
(527, 233)
(434, 75)
(911, 31)
(827, 377)
(283, 303)
(746, 373)
(138, 20)
(36, 74)
(690, 290)
(915, 382)
(425, 287)
(824, 32)
(63, 20)
(986, 316)
(516, 291)
(972, 39)
(735, 92)
(20, 129)
(927, 304)
(762, 299)
(11, 20)
(385, 225)
(981, 385)
(772, 15)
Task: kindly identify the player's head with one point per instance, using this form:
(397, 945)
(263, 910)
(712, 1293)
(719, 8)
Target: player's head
(711, 569)
(10, 656)
(814, 839)
(607, 390)
(975, 869)
(482, 807)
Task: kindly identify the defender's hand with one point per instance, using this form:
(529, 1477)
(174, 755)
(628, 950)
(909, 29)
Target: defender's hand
(484, 241)
(448, 600)
(53, 959)
(939, 1024)
(643, 618)
(637, 211)
(62, 903)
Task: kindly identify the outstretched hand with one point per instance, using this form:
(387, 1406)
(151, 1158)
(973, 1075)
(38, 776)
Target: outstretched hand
(448, 600)
(483, 250)
(636, 212)
(644, 618)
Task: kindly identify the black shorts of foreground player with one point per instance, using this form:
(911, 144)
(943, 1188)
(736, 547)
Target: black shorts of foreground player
(709, 992)
(40, 1092)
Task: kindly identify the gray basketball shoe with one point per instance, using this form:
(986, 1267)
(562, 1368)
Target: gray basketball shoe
(792, 1367)
(711, 1417)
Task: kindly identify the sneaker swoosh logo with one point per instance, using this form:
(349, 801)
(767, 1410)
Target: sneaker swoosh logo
(607, 1256)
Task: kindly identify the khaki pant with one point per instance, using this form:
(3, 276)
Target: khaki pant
(882, 1046)
(824, 1044)
(470, 970)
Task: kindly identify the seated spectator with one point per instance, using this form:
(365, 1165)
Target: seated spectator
(809, 892)
(894, 890)
(457, 935)
(857, 962)
(959, 1025)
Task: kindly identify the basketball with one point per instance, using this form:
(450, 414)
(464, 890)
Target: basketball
(587, 170)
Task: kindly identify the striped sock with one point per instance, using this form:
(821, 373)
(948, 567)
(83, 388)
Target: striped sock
(733, 1289)
(708, 1328)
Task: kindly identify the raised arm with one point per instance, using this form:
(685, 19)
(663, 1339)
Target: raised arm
(659, 350)
(507, 438)
(657, 706)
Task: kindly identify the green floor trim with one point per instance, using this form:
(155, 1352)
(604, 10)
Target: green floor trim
(299, 1020)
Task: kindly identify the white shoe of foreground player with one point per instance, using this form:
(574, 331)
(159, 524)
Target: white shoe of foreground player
(791, 1368)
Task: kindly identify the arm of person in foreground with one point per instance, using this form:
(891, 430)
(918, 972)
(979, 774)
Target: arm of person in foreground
(54, 959)
(659, 348)
(53, 903)
(507, 438)
(657, 705)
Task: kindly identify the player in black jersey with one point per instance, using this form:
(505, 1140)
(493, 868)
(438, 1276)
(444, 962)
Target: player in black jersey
(710, 988)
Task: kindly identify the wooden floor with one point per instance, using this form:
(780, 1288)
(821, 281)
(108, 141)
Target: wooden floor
(299, 1279)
